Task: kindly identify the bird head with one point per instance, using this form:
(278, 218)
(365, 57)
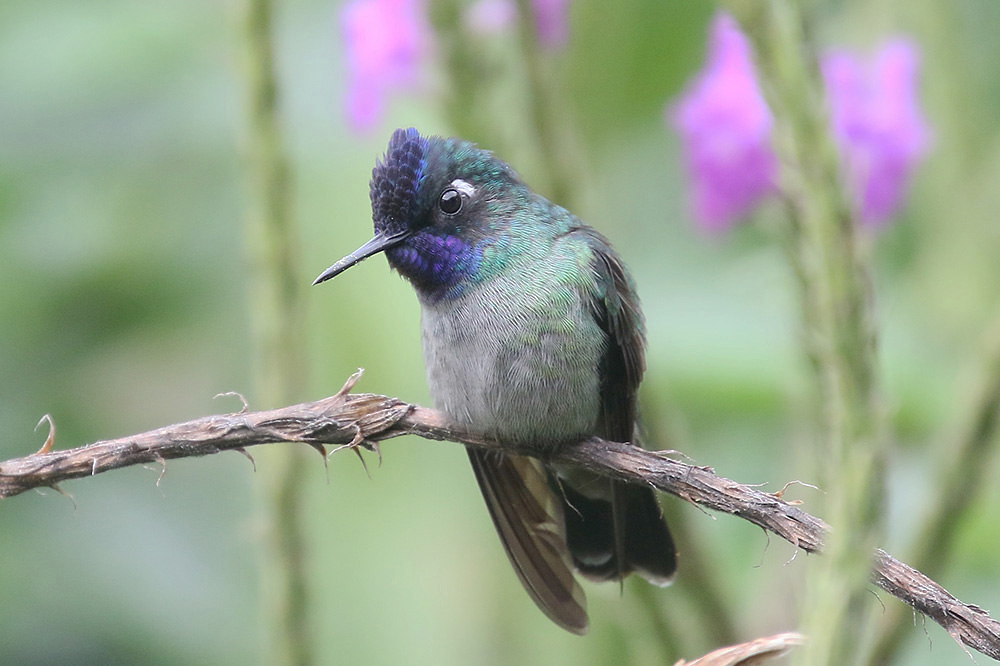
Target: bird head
(435, 204)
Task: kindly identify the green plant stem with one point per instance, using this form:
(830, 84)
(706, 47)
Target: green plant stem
(552, 150)
(476, 76)
(276, 307)
(964, 460)
(839, 331)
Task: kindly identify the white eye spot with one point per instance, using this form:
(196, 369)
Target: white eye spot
(463, 186)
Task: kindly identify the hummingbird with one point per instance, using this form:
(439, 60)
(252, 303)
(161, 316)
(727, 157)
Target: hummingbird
(532, 334)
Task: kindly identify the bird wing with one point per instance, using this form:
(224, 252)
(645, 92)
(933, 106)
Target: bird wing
(527, 518)
(639, 535)
(616, 309)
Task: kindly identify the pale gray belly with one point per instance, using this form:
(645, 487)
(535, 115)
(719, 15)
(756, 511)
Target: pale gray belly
(524, 370)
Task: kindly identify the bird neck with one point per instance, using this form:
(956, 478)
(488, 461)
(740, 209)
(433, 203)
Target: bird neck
(438, 265)
(442, 265)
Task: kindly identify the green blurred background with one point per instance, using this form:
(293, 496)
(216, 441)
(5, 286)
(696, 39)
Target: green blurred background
(123, 308)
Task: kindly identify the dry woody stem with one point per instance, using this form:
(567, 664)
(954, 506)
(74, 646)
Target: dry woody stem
(355, 420)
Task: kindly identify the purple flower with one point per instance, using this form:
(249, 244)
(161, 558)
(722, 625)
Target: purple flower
(386, 40)
(552, 22)
(877, 123)
(725, 129)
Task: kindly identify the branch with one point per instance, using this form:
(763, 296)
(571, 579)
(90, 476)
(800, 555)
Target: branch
(361, 419)
(963, 464)
(752, 652)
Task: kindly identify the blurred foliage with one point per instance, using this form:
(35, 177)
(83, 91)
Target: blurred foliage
(122, 302)
(637, 56)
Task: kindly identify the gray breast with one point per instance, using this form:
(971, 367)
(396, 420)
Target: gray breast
(520, 363)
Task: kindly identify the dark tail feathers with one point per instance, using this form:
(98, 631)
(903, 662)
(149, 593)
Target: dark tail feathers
(609, 539)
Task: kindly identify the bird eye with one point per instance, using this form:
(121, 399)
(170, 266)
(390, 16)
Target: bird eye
(451, 201)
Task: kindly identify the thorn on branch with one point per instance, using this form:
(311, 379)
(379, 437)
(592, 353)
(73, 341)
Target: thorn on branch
(51, 439)
(359, 440)
(323, 454)
(58, 489)
(781, 493)
(874, 593)
(364, 419)
(687, 497)
(349, 384)
(362, 459)
(240, 449)
(767, 547)
(319, 448)
(246, 405)
(670, 454)
(957, 637)
(163, 470)
(795, 553)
